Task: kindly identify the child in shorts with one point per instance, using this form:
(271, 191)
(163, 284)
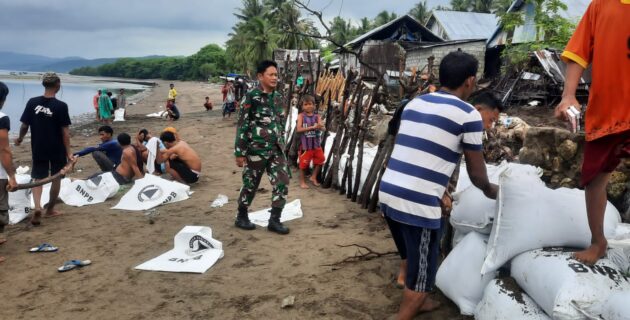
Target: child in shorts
(309, 124)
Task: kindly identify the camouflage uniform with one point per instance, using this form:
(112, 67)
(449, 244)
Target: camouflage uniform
(260, 138)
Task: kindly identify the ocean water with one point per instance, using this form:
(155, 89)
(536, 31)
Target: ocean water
(78, 96)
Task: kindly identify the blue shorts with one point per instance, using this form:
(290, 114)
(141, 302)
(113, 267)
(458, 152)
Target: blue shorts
(421, 247)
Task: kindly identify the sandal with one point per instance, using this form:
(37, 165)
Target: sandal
(73, 264)
(44, 247)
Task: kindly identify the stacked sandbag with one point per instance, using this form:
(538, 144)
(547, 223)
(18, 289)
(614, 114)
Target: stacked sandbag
(472, 210)
(503, 299)
(617, 306)
(567, 289)
(459, 276)
(20, 201)
(531, 216)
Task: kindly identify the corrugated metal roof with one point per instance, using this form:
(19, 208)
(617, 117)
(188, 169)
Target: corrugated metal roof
(527, 32)
(425, 33)
(460, 25)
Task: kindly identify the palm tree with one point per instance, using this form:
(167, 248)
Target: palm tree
(341, 30)
(365, 25)
(384, 17)
(250, 9)
(484, 6)
(263, 38)
(460, 5)
(420, 12)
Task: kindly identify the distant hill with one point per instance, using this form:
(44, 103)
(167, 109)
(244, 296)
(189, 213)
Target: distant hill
(30, 62)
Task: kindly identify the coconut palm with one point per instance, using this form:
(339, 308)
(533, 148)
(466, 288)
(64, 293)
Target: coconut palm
(420, 12)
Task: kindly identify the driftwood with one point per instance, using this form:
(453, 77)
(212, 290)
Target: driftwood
(353, 134)
(343, 127)
(387, 150)
(363, 132)
(69, 167)
(366, 255)
(331, 175)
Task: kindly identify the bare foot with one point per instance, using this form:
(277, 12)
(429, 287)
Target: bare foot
(36, 218)
(429, 305)
(304, 185)
(315, 183)
(592, 254)
(52, 213)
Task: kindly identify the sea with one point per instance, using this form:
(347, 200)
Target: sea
(77, 92)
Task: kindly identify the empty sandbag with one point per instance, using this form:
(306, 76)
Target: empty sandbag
(503, 299)
(459, 276)
(531, 216)
(565, 288)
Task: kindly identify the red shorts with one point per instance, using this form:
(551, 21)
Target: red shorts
(604, 155)
(316, 155)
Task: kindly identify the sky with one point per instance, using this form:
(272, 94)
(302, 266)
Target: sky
(134, 28)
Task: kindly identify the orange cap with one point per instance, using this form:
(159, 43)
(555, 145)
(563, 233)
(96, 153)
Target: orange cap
(170, 129)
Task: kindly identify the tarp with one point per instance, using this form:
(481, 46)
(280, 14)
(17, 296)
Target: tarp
(194, 251)
(292, 210)
(150, 192)
(92, 191)
(46, 192)
(20, 201)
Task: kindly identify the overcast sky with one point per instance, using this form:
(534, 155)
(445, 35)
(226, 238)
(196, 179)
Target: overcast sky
(117, 28)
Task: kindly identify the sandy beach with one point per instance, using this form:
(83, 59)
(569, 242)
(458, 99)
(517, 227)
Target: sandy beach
(258, 271)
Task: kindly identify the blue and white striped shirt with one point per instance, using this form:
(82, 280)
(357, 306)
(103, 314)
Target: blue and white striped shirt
(434, 131)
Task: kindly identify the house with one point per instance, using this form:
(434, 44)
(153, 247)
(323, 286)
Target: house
(461, 25)
(527, 32)
(384, 47)
(290, 59)
(418, 56)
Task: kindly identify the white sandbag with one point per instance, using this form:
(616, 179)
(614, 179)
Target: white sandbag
(369, 153)
(622, 231)
(194, 251)
(531, 216)
(564, 287)
(617, 306)
(150, 192)
(158, 114)
(504, 300)
(472, 210)
(20, 201)
(494, 171)
(291, 211)
(620, 257)
(46, 192)
(119, 115)
(91, 191)
(458, 236)
(459, 276)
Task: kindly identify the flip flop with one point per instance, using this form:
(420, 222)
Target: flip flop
(73, 264)
(44, 247)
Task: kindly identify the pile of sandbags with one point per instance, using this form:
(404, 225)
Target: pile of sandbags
(513, 234)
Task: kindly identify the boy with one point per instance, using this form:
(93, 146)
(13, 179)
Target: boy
(172, 113)
(435, 129)
(602, 38)
(208, 104)
(309, 125)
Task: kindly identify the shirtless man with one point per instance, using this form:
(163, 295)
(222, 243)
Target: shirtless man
(131, 165)
(182, 162)
(143, 139)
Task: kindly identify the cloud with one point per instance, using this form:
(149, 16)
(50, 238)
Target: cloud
(117, 28)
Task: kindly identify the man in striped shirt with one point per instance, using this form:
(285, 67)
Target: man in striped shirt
(435, 130)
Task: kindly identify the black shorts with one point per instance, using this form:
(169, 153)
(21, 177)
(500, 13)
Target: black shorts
(422, 250)
(45, 168)
(184, 172)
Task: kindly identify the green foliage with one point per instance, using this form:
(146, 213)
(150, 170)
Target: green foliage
(483, 6)
(552, 30)
(420, 12)
(209, 61)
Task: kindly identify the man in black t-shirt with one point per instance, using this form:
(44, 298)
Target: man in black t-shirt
(48, 120)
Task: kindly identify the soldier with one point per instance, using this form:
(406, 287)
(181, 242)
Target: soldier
(259, 147)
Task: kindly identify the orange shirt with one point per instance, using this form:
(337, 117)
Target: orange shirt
(603, 39)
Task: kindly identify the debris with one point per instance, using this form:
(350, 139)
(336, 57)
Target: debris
(288, 302)
(220, 201)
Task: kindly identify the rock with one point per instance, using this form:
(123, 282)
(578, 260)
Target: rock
(567, 149)
(616, 191)
(530, 156)
(567, 183)
(288, 302)
(618, 177)
(555, 180)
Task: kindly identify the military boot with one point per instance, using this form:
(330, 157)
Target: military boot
(274, 222)
(242, 220)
